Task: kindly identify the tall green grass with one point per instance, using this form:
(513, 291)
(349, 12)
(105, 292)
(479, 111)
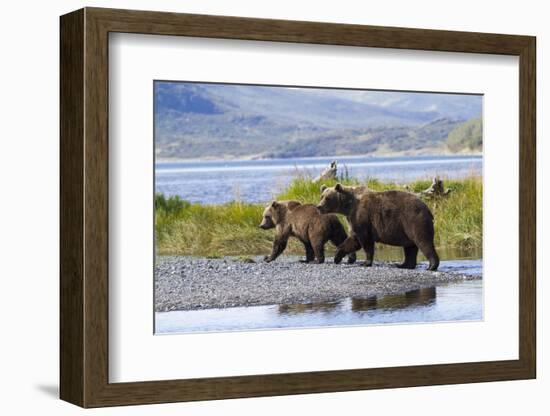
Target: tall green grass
(212, 230)
(183, 228)
(458, 216)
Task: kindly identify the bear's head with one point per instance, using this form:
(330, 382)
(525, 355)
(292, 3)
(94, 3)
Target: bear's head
(272, 215)
(338, 199)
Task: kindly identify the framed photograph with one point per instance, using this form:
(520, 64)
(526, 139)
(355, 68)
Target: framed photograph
(255, 207)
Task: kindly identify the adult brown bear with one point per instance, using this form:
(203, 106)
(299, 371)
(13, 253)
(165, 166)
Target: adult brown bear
(392, 217)
(306, 223)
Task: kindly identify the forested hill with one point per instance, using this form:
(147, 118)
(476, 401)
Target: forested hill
(217, 120)
(466, 137)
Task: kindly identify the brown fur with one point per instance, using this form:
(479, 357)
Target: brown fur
(393, 217)
(357, 190)
(351, 243)
(307, 224)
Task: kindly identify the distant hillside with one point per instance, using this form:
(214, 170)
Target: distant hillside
(377, 140)
(217, 120)
(466, 137)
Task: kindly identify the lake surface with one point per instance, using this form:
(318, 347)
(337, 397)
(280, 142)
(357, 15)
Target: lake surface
(451, 302)
(258, 181)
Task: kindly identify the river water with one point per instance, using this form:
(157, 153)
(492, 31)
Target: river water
(258, 181)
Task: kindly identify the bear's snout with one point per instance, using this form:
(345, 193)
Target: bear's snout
(321, 209)
(266, 223)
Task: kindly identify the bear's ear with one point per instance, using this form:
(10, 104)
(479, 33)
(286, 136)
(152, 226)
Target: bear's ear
(274, 204)
(323, 187)
(339, 187)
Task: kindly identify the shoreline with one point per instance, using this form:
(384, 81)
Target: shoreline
(353, 156)
(198, 283)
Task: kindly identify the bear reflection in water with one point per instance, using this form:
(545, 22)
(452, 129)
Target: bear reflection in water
(419, 297)
(297, 308)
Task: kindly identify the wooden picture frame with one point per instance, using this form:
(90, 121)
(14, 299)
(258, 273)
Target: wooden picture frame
(84, 207)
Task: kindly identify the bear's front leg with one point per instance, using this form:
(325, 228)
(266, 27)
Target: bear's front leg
(369, 253)
(279, 246)
(350, 245)
(368, 246)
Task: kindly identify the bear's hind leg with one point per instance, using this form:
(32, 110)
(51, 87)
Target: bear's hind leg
(310, 255)
(429, 252)
(319, 250)
(424, 239)
(410, 258)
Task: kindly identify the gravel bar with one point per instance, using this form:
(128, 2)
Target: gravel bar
(190, 283)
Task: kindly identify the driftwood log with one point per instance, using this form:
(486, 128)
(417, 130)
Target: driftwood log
(435, 190)
(329, 173)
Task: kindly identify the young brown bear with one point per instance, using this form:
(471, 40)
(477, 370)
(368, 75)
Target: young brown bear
(393, 217)
(307, 224)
